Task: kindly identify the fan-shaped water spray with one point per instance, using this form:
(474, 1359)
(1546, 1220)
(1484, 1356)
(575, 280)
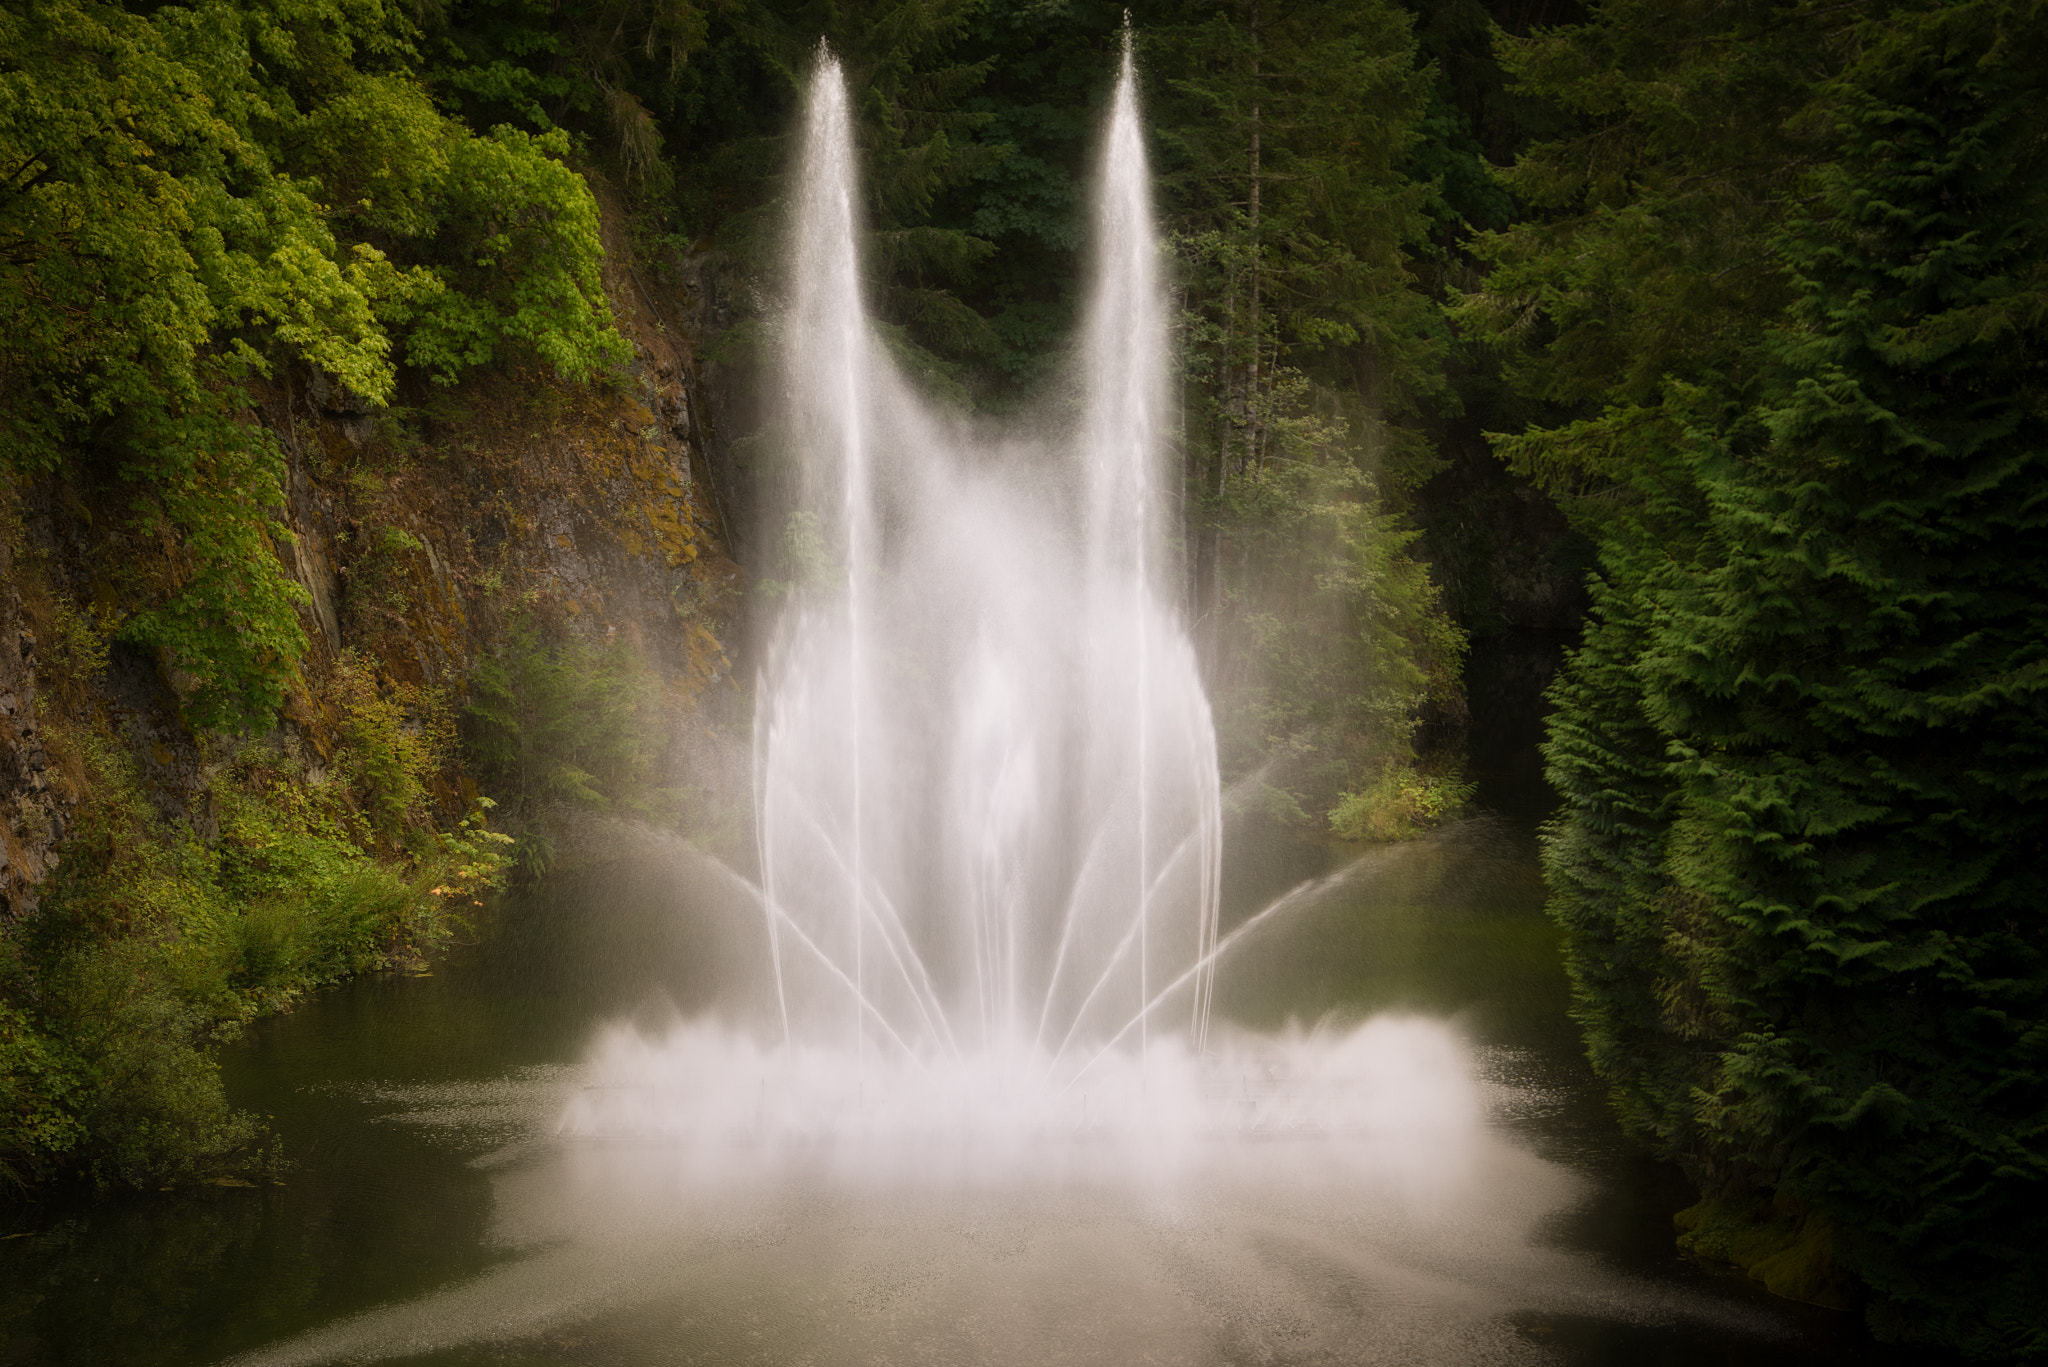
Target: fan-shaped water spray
(988, 804)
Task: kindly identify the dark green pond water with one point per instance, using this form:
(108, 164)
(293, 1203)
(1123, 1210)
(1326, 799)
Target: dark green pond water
(422, 1197)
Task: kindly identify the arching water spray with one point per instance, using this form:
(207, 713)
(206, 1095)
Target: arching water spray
(987, 771)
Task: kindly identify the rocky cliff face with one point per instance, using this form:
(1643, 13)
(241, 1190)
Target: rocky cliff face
(33, 808)
(420, 534)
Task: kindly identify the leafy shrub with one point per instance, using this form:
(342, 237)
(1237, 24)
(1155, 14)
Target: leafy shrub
(1400, 803)
(151, 945)
(141, 1082)
(568, 722)
(393, 739)
(518, 250)
(112, 995)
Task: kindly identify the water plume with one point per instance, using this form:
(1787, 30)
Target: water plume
(987, 796)
(973, 1109)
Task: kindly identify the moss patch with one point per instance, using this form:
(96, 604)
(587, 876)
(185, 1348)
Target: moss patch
(1792, 1251)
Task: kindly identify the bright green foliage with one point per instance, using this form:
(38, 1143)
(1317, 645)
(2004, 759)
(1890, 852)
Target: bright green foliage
(148, 229)
(1397, 805)
(517, 252)
(1804, 749)
(152, 945)
(194, 195)
(392, 739)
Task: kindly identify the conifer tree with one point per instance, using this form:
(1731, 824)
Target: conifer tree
(1857, 694)
(1802, 748)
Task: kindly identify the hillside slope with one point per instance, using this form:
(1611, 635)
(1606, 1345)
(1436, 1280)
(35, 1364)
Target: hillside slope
(516, 588)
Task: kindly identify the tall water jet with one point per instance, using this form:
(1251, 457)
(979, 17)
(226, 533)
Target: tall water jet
(987, 797)
(989, 826)
(828, 373)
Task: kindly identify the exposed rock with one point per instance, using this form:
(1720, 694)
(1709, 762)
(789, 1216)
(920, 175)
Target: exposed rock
(420, 534)
(34, 811)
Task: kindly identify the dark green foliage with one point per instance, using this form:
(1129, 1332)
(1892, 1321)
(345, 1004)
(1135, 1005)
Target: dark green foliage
(1802, 749)
(1308, 347)
(151, 945)
(112, 1077)
(1283, 130)
(566, 725)
(1637, 996)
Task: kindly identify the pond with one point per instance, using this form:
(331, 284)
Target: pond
(430, 1214)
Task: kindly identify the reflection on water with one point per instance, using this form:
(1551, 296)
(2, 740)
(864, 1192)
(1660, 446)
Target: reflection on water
(440, 1211)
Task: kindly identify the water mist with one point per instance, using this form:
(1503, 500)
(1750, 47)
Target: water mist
(969, 1107)
(987, 801)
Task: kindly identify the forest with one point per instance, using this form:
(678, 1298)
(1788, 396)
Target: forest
(1696, 335)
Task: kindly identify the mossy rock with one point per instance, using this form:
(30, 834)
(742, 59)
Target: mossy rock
(1791, 1250)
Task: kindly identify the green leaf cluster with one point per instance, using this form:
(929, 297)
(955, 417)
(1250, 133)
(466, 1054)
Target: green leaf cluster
(194, 196)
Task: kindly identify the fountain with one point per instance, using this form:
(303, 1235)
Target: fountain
(986, 789)
(965, 1103)
(988, 810)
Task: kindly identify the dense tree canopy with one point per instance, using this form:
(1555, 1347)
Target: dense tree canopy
(1802, 747)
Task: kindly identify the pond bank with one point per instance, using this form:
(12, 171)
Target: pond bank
(412, 1105)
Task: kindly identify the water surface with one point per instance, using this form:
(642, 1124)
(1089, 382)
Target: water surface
(431, 1216)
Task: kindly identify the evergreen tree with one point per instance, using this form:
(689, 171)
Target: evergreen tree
(1309, 348)
(1802, 747)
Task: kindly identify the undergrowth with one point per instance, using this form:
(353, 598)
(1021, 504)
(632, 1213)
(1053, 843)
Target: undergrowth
(154, 944)
(571, 725)
(1401, 802)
